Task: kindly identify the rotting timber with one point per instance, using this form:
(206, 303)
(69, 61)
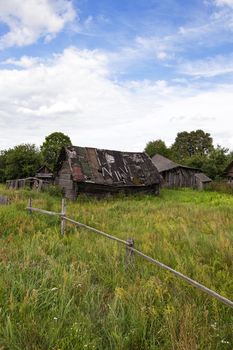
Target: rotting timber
(175, 175)
(100, 172)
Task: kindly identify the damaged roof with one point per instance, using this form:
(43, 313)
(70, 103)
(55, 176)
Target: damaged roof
(109, 167)
(163, 164)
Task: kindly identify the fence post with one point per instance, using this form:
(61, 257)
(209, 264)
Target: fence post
(63, 213)
(129, 253)
(30, 205)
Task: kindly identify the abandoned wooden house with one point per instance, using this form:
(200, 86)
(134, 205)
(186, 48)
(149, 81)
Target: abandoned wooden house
(228, 173)
(98, 171)
(175, 175)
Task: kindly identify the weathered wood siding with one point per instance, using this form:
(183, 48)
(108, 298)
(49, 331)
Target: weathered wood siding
(178, 177)
(200, 185)
(103, 190)
(65, 181)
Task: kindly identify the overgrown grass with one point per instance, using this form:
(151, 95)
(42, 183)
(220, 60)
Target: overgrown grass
(76, 292)
(220, 186)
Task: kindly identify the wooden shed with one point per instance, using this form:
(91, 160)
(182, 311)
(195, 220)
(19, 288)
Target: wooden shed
(100, 171)
(202, 181)
(175, 175)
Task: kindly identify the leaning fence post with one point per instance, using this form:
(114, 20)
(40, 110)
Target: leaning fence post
(63, 213)
(30, 205)
(129, 252)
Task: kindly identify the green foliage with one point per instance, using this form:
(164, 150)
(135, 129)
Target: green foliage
(2, 165)
(157, 147)
(19, 162)
(212, 164)
(52, 146)
(76, 293)
(188, 144)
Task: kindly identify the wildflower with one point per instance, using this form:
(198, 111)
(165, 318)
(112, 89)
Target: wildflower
(214, 325)
(55, 318)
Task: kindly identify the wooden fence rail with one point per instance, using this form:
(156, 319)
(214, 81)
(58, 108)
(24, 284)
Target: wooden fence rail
(130, 250)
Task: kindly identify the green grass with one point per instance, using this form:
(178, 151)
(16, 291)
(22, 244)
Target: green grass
(76, 292)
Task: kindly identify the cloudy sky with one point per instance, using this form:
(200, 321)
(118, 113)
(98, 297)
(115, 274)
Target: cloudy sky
(115, 73)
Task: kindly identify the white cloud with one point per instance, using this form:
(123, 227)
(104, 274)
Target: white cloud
(224, 3)
(161, 47)
(209, 67)
(24, 61)
(73, 93)
(29, 20)
(210, 30)
(161, 55)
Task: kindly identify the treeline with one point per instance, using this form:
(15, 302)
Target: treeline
(24, 160)
(194, 149)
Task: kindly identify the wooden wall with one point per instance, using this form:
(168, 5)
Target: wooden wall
(179, 177)
(103, 190)
(65, 182)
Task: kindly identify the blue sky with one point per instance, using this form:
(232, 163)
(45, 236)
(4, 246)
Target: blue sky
(115, 73)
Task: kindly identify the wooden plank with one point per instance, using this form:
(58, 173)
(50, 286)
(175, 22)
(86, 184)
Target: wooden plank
(65, 176)
(129, 252)
(67, 184)
(52, 213)
(96, 231)
(63, 214)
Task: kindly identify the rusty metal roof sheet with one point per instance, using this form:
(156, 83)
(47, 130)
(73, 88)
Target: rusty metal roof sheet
(109, 167)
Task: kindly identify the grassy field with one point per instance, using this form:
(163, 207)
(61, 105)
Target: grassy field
(76, 293)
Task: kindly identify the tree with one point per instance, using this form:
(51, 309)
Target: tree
(2, 165)
(157, 147)
(189, 144)
(52, 146)
(212, 164)
(20, 161)
(216, 162)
